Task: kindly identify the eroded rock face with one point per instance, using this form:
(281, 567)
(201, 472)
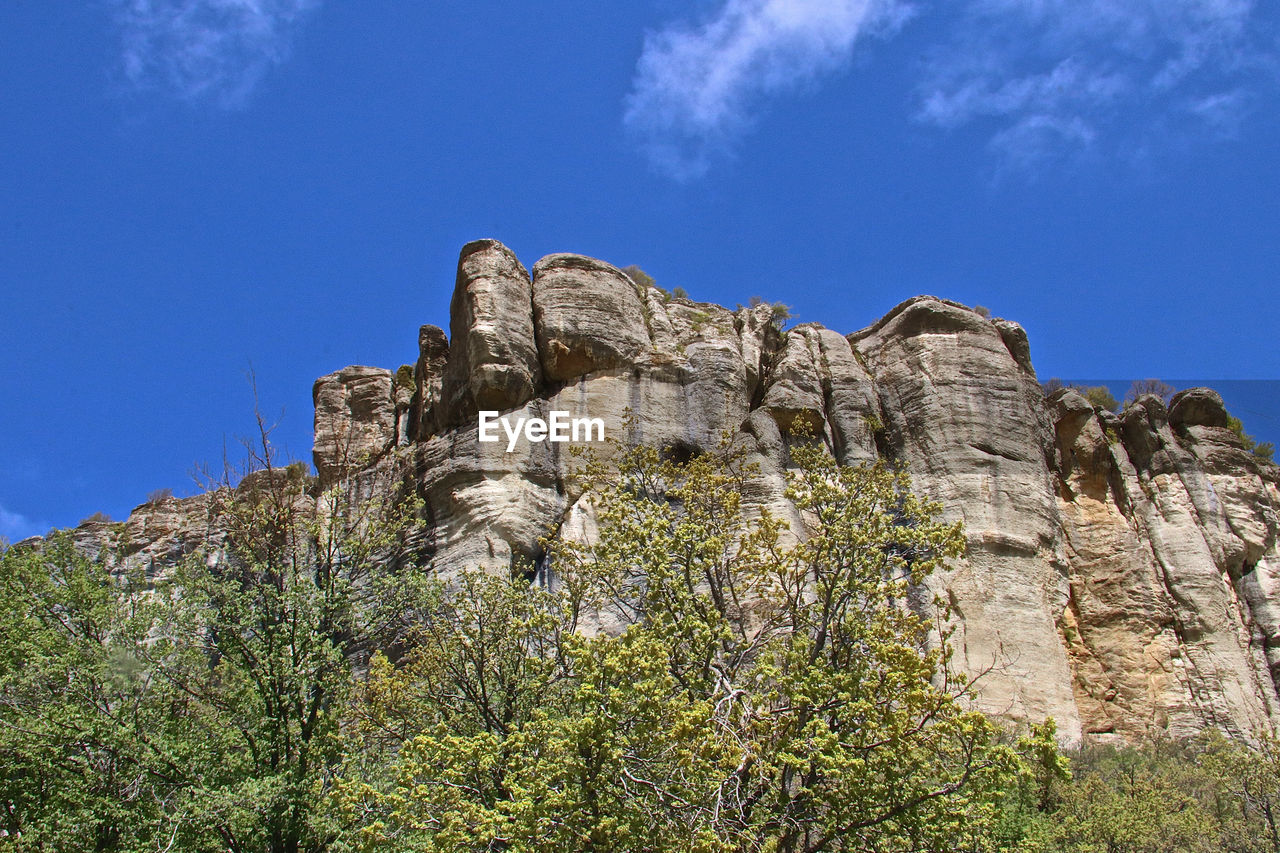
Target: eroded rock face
(494, 363)
(1122, 572)
(355, 419)
(1171, 530)
(588, 316)
(968, 419)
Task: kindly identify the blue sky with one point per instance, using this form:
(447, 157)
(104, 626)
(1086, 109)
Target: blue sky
(191, 188)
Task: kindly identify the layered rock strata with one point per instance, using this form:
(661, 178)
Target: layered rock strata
(1122, 573)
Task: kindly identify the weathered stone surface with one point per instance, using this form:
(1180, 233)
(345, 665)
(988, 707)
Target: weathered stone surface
(493, 359)
(970, 423)
(588, 316)
(355, 418)
(1122, 572)
(428, 376)
(793, 387)
(1197, 407)
(1169, 633)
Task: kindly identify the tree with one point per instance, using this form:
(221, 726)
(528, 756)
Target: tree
(639, 277)
(1264, 450)
(1052, 385)
(1098, 395)
(202, 711)
(1206, 793)
(256, 640)
(1163, 390)
(689, 679)
(76, 775)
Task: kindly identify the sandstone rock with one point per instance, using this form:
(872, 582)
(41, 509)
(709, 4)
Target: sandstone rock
(1156, 561)
(355, 419)
(428, 376)
(1015, 339)
(969, 422)
(588, 317)
(793, 386)
(493, 360)
(1123, 570)
(1197, 407)
(853, 406)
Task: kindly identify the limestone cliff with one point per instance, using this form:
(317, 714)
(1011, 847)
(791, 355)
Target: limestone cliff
(1122, 574)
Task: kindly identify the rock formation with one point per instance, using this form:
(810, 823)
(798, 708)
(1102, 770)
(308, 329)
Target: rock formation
(1123, 571)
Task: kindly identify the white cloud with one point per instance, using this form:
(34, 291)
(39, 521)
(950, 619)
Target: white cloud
(696, 84)
(1047, 75)
(14, 527)
(206, 49)
(1039, 77)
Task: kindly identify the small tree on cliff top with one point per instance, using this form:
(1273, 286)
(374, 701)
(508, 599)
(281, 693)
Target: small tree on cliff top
(757, 694)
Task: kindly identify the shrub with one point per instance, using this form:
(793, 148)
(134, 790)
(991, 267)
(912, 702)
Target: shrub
(1264, 450)
(1051, 385)
(1100, 396)
(1163, 390)
(641, 278)
(158, 496)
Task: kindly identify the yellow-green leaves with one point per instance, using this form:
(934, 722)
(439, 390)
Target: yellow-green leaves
(691, 681)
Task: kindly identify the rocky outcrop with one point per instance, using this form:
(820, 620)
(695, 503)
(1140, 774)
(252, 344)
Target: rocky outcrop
(965, 413)
(355, 418)
(589, 317)
(1171, 530)
(491, 319)
(1122, 571)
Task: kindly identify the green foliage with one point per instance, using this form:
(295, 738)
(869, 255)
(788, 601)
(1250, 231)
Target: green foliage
(779, 313)
(641, 278)
(680, 293)
(74, 772)
(202, 713)
(685, 673)
(1264, 450)
(404, 378)
(1207, 794)
(686, 680)
(1100, 396)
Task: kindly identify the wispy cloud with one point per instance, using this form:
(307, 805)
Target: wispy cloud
(696, 84)
(14, 527)
(1040, 77)
(1051, 75)
(215, 50)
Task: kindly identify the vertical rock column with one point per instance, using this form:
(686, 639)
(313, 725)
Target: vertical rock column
(967, 418)
(493, 359)
(355, 419)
